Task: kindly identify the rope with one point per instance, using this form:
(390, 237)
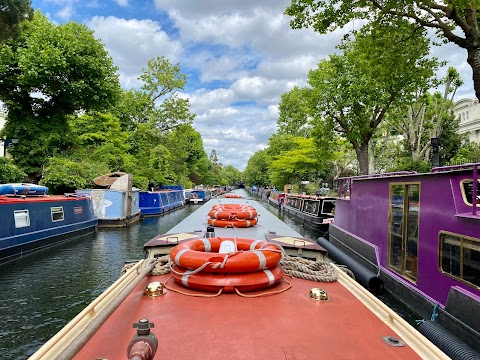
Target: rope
(161, 266)
(322, 271)
(192, 294)
(268, 293)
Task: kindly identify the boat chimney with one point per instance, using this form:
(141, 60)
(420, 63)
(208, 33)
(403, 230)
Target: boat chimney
(435, 142)
(210, 232)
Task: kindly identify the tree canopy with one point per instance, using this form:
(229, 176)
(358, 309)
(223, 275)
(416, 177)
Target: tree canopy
(12, 13)
(446, 17)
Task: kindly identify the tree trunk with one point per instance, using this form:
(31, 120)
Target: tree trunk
(362, 157)
(473, 60)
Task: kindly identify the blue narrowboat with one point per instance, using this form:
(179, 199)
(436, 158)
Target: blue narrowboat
(199, 195)
(30, 223)
(153, 203)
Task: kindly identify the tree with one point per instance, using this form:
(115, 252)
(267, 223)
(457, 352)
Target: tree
(352, 92)
(50, 72)
(427, 117)
(9, 173)
(256, 171)
(294, 116)
(292, 166)
(157, 102)
(12, 13)
(443, 16)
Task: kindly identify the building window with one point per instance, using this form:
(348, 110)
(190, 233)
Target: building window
(57, 213)
(460, 257)
(22, 218)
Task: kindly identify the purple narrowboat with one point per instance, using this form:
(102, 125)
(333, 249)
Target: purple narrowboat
(418, 235)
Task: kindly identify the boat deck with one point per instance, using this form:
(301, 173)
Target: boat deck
(288, 325)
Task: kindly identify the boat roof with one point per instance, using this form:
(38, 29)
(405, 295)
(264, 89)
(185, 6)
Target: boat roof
(38, 198)
(267, 222)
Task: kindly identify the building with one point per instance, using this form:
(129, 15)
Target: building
(468, 110)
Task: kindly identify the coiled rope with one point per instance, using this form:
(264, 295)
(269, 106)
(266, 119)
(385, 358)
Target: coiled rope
(322, 271)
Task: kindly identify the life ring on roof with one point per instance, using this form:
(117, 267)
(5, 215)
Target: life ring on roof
(233, 214)
(233, 196)
(251, 255)
(228, 282)
(240, 223)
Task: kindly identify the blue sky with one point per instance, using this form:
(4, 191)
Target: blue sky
(239, 57)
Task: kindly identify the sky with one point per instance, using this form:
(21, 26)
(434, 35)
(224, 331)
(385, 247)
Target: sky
(239, 56)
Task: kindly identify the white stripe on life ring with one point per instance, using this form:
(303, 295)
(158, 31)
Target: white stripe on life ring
(261, 259)
(270, 276)
(179, 254)
(253, 244)
(207, 245)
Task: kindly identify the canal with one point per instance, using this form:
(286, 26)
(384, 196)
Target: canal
(42, 292)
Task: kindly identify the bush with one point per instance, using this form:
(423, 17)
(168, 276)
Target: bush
(9, 173)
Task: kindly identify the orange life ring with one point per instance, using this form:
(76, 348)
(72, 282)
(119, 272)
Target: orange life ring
(252, 255)
(233, 214)
(240, 223)
(228, 282)
(232, 206)
(233, 196)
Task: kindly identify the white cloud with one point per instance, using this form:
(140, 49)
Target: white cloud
(122, 3)
(131, 43)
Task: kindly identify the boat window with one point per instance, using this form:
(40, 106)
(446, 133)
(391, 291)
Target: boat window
(22, 218)
(57, 213)
(328, 207)
(467, 191)
(403, 233)
(311, 206)
(460, 257)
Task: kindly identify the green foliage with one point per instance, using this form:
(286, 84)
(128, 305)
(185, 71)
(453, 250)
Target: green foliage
(467, 153)
(352, 92)
(9, 173)
(294, 165)
(140, 182)
(64, 175)
(294, 113)
(256, 171)
(68, 70)
(12, 13)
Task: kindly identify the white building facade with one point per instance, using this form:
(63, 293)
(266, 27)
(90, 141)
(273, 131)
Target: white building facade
(468, 110)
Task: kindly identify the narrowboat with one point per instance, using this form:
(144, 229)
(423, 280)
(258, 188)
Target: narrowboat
(30, 223)
(420, 232)
(196, 196)
(240, 304)
(315, 212)
(154, 203)
(276, 198)
(117, 205)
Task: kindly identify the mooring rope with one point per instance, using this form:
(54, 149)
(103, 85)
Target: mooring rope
(322, 271)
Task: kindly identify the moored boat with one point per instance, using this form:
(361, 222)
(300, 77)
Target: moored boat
(421, 234)
(315, 212)
(277, 198)
(196, 196)
(117, 205)
(154, 203)
(30, 223)
(147, 311)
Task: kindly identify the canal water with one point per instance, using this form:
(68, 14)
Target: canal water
(42, 292)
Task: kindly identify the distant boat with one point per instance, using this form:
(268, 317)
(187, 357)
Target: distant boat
(117, 205)
(153, 203)
(277, 198)
(315, 212)
(198, 195)
(30, 223)
(23, 189)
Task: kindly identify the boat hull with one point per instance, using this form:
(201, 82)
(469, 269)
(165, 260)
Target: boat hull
(30, 224)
